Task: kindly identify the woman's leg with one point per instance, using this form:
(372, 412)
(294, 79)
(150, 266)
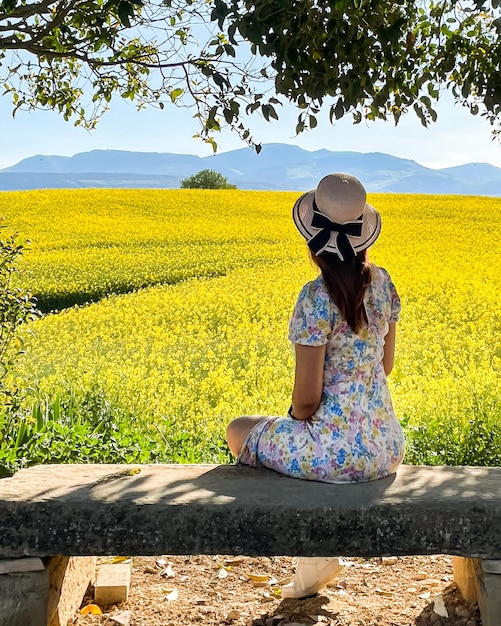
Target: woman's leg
(238, 429)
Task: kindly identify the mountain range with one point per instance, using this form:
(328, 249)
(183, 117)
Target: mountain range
(277, 167)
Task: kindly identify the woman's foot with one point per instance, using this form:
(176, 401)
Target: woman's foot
(312, 573)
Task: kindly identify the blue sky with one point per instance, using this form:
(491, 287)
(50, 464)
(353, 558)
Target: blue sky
(455, 139)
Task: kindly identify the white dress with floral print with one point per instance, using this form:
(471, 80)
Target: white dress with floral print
(354, 434)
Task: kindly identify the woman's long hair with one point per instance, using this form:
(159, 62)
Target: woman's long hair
(346, 282)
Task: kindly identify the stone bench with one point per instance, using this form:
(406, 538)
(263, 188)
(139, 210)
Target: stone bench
(98, 510)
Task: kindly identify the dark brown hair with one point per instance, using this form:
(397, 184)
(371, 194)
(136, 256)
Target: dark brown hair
(346, 282)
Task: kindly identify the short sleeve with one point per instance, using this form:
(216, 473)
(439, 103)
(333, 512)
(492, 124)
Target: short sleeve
(394, 300)
(310, 323)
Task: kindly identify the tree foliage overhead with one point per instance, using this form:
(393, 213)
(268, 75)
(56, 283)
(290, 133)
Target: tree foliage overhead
(371, 59)
(206, 179)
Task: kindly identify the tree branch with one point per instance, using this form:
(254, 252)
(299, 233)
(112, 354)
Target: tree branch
(28, 10)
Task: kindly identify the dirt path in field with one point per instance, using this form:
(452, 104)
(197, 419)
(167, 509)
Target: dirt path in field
(209, 591)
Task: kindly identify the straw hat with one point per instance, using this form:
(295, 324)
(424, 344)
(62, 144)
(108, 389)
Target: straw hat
(335, 217)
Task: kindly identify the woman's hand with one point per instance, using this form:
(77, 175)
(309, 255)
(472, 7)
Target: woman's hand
(309, 380)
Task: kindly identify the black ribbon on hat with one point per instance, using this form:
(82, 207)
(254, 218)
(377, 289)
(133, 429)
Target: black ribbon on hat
(327, 226)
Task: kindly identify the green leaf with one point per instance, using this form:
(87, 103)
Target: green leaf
(426, 101)
(220, 81)
(250, 108)
(339, 109)
(420, 113)
(232, 29)
(268, 111)
(300, 127)
(433, 91)
(125, 11)
(8, 5)
(497, 24)
(445, 30)
(21, 435)
(175, 94)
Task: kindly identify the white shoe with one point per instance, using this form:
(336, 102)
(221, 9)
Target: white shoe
(312, 573)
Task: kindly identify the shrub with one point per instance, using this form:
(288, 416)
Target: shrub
(206, 179)
(16, 307)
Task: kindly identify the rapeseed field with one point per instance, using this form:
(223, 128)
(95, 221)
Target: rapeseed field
(188, 297)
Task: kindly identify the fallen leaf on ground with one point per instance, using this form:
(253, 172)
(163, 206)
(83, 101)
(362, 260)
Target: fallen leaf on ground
(173, 595)
(260, 583)
(121, 559)
(258, 578)
(91, 609)
(267, 597)
(168, 572)
(439, 606)
(237, 560)
(383, 592)
(223, 565)
(121, 617)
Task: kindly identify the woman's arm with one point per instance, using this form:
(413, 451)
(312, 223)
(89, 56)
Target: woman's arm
(309, 380)
(389, 348)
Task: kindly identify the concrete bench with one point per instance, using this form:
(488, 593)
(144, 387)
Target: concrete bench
(82, 510)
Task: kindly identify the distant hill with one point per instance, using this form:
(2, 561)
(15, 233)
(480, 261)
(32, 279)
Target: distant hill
(277, 167)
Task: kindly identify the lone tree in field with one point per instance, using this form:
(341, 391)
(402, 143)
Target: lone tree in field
(206, 179)
(228, 58)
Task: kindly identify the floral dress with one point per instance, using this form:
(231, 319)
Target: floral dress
(354, 434)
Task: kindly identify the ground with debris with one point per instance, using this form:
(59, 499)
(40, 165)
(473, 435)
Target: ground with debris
(244, 591)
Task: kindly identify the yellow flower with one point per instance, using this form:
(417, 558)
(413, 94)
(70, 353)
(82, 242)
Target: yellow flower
(208, 283)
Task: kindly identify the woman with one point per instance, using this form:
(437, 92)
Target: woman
(341, 426)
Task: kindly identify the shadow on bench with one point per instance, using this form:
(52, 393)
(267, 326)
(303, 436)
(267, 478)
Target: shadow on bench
(82, 510)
